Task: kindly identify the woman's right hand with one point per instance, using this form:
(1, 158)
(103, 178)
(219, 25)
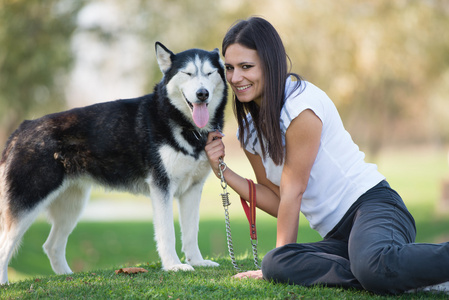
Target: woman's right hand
(249, 274)
(215, 150)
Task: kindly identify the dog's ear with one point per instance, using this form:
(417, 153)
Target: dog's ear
(217, 52)
(164, 57)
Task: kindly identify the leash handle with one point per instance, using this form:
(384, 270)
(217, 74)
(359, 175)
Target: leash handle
(250, 210)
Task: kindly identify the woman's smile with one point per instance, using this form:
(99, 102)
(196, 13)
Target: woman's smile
(242, 88)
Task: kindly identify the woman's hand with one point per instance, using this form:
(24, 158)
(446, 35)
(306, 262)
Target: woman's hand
(215, 150)
(249, 274)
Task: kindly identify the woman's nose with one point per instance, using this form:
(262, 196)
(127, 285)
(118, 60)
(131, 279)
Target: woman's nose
(236, 76)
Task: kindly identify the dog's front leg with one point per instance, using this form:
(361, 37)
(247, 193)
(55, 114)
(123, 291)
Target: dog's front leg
(189, 206)
(165, 231)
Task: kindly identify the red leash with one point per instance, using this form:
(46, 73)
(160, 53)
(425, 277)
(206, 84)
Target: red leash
(250, 210)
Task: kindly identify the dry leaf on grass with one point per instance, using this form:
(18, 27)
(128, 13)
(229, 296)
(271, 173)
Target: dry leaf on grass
(131, 270)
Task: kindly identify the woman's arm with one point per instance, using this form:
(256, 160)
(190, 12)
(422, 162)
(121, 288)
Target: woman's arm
(267, 193)
(302, 141)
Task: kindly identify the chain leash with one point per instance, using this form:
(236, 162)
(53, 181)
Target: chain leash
(225, 201)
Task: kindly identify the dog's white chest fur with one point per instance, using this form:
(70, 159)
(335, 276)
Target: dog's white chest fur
(184, 170)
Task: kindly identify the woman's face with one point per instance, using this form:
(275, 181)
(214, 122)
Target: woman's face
(244, 73)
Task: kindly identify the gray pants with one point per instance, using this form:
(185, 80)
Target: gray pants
(373, 247)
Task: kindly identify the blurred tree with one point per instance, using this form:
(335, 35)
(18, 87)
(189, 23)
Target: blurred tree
(397, 58)
(382, 62)
(35, 57)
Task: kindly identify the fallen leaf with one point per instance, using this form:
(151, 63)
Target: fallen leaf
(131, 270)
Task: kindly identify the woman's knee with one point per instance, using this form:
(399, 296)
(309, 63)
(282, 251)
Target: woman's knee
(271, 269)
(283, 264)
(375, 276)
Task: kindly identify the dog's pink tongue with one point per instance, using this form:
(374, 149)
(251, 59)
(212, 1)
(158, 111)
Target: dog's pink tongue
(200, 114)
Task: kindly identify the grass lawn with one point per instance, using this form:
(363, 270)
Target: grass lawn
(204, 283)
(95, 249)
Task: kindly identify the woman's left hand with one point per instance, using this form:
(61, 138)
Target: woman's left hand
(249, 274)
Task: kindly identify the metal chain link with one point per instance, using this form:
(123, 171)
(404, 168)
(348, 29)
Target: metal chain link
(225, 201)
(256, 257)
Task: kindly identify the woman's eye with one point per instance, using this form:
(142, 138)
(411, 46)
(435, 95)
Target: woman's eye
(246, 66)
(229, 68)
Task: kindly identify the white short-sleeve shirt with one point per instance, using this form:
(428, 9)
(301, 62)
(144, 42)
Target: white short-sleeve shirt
(339, 175)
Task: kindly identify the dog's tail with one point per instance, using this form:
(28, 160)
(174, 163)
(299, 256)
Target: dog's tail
(7, 219)
(3, 200)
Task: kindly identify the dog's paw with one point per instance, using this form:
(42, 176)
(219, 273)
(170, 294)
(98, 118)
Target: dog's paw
(203, 263)
(180, 267)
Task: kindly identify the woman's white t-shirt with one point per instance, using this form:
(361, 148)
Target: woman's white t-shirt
(339, 175)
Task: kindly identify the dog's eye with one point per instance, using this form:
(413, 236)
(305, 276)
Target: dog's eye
(187, 73)
(210, 73)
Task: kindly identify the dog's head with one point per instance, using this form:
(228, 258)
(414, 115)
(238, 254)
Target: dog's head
(195, 83)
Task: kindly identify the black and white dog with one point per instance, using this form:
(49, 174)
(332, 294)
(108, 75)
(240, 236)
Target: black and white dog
(153, 145)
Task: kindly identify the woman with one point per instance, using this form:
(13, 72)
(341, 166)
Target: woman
(304, 160)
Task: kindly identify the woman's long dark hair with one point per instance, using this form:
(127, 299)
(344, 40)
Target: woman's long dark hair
(258, 34)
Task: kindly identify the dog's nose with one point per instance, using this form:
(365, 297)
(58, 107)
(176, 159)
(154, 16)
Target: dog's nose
(202, 94)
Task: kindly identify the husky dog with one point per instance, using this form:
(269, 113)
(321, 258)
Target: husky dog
(152, 145)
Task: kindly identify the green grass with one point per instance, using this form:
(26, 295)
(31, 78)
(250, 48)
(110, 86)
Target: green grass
(204, 283)
(96, 249)
(101, 245)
